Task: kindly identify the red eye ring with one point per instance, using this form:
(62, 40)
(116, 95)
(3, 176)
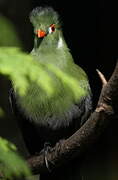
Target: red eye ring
(52, 26)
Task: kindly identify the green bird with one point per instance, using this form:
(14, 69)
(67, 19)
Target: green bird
(48, 120)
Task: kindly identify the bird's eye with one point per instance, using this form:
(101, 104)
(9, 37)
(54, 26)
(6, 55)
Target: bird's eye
(51, 28)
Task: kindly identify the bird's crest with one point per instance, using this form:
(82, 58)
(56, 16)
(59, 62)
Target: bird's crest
(44, 16)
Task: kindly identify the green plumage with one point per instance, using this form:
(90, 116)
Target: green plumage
(52, 52)
(58, 100)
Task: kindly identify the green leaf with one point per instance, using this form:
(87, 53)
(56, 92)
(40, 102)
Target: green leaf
(53, 89)
(8, 35)
(11, 164)
(22, 70)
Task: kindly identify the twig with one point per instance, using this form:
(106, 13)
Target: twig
(102, 77)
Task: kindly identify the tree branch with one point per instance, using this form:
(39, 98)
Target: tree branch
(78, 143)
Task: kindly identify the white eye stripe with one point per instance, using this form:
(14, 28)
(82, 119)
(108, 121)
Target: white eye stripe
(50, 30)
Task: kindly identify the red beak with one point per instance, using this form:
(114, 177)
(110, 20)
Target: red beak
(40, 33)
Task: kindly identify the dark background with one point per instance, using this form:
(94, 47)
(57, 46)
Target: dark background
(90, 29)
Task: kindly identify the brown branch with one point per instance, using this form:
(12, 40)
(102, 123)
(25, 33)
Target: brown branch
(86, 135)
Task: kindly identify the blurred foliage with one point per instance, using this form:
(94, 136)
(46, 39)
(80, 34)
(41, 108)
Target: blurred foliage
(24, 71)
(8, 35)
(47, 79)
(11, 164)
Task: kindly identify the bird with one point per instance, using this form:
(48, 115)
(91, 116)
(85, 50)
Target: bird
(51, 124)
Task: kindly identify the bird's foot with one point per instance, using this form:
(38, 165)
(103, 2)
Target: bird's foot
(47, 148)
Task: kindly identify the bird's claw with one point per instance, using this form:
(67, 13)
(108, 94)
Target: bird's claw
(47, 148)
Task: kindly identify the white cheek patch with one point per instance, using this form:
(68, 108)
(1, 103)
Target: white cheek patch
(60, 43)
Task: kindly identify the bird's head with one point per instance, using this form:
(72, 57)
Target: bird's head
(46, 24)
